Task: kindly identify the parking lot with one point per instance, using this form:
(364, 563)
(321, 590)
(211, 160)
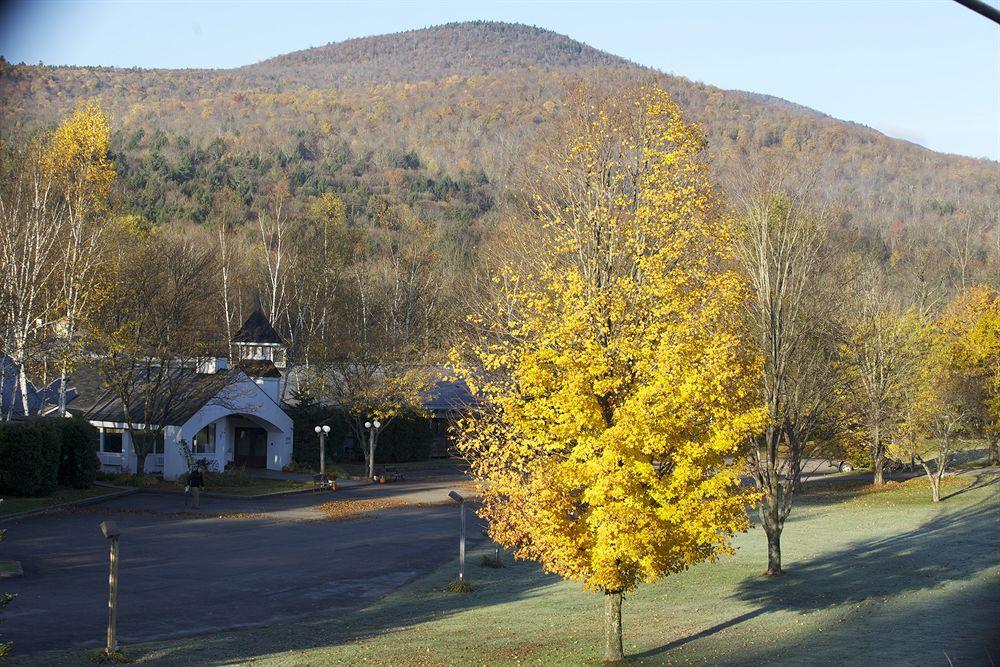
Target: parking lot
(267, 561)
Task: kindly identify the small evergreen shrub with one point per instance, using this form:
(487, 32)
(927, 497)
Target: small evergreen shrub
(78, 462)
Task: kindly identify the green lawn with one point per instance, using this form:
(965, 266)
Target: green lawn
(12, 505)
(880, 577)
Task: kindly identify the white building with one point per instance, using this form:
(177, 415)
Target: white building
(229, 414)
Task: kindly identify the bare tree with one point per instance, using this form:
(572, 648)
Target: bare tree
(152, 332)
(373, 365)
(781, 251)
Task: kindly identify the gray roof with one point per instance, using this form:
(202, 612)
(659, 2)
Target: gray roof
(446, 393)
(257, 329)
(10, 391)
(189, 392)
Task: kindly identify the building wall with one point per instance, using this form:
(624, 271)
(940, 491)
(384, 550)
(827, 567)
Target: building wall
(126, 461)
(245, 400)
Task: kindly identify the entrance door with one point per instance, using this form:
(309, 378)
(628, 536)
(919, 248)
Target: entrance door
(251, 447)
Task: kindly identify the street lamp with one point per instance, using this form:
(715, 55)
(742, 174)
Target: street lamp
(323, 431)
(373, 427)
(457, 497)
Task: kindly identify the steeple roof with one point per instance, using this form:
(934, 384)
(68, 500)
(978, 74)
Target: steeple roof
(257, 330)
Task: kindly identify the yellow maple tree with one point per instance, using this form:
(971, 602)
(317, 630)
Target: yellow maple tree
(615, 385)
(956, 384)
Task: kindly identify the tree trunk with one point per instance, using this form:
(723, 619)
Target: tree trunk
(613, 626)
(773, 551)
(993, 449)
(770, 520)
(933, 478)
(22, 378)
(878, 456)
(140, 462)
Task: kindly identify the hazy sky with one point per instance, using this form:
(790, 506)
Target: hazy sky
(924, 71)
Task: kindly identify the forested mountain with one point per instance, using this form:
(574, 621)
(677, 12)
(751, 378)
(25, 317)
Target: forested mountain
(435, 119)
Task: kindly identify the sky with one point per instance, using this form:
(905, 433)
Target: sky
(925, 71)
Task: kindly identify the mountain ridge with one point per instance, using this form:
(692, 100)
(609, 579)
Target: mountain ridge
(465, 98)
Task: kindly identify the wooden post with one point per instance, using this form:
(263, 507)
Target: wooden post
(461, 545)
(457, 497)
(111, 532)
(113, 599)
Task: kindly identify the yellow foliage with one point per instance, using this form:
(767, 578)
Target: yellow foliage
(957, 384)
(616, 382)
(77, 159)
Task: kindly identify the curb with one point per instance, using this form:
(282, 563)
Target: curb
(210, 494)
(230, 496)
(74, 503)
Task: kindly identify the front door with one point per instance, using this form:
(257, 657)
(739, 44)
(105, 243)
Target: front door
(251, 447)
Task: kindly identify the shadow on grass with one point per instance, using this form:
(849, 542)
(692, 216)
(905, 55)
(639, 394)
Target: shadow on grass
(978, 482)
(953, 546)
(707, 632)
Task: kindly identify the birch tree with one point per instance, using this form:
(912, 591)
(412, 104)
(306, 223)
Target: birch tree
(77, 161)
(273, 224)
(32, 220)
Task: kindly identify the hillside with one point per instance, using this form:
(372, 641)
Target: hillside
(435, 119)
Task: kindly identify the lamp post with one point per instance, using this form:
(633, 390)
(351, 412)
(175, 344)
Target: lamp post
(323, 431)
(373, 427)
(111, 531)
(457, 497)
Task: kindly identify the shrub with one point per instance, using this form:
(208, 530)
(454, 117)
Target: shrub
(405, 438)
(459, 586)
(29, 458)
(408, 437)
(306, 415)
(78, 462)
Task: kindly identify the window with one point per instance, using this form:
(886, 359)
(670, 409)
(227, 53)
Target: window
(111, 440)
(204, 440)
(142, 436)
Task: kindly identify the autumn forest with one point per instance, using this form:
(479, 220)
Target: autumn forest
(640, 276)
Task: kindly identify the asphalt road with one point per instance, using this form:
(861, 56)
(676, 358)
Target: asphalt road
(181, 575)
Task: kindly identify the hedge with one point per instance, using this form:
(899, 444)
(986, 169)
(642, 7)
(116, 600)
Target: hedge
(405, 438)
(78, 462)
(306, 415)
(29, 458)
(38, 455)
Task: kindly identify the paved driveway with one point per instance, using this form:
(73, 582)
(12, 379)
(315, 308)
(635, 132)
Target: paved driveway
(182, 575)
